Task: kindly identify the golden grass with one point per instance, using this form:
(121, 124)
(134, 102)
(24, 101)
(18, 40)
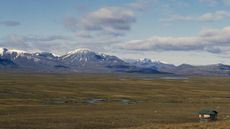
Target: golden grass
(56, 101)
(210, 125)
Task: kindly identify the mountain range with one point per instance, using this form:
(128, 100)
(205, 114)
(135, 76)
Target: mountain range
(87, 61)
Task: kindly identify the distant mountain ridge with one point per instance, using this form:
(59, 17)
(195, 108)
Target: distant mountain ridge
(183, 69)
(88, 61)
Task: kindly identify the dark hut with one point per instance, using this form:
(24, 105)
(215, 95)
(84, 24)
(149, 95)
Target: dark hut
(207, 115)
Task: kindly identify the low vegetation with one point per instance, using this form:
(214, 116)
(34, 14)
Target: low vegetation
(212, 125)
(72, 101)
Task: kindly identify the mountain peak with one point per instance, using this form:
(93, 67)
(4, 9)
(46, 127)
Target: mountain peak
(46, 54)
(81, 51)
(11, 51)
(2, 50)
(147, 61)
(16, 51)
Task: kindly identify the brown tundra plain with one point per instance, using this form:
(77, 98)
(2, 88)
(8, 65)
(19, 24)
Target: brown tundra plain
(104, 101)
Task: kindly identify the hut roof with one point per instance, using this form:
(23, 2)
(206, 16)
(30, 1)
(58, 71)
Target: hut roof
(208, 111)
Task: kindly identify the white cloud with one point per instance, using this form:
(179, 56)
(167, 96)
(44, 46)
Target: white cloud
(32, 42)
(215, 2)
(176, 18)
(142, 4)
(210, 2)
(211, 40)
(83, 34)
(218, 15)
(108, 20)
(206, 17)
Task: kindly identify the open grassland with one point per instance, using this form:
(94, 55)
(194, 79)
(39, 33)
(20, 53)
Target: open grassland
(101, 101)
(213, 125)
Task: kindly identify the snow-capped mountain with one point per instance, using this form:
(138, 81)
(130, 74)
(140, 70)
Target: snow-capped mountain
(142, 62)
(28, 61)
(46, 55)
(86, 56)
(215, 69)
(11, 53)
(85, 60)
(79, 60)
(148, 63)
(183, 69)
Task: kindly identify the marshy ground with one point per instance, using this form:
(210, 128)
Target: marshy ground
(102, 101)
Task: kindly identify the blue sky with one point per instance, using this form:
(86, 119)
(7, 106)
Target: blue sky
(174, 31)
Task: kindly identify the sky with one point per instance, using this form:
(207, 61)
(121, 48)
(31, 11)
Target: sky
(174, 31)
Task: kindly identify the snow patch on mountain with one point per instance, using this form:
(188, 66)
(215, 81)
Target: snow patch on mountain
(80, 51)
(2, 51)
(16, 51)
(46, 55)
(13, 53)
